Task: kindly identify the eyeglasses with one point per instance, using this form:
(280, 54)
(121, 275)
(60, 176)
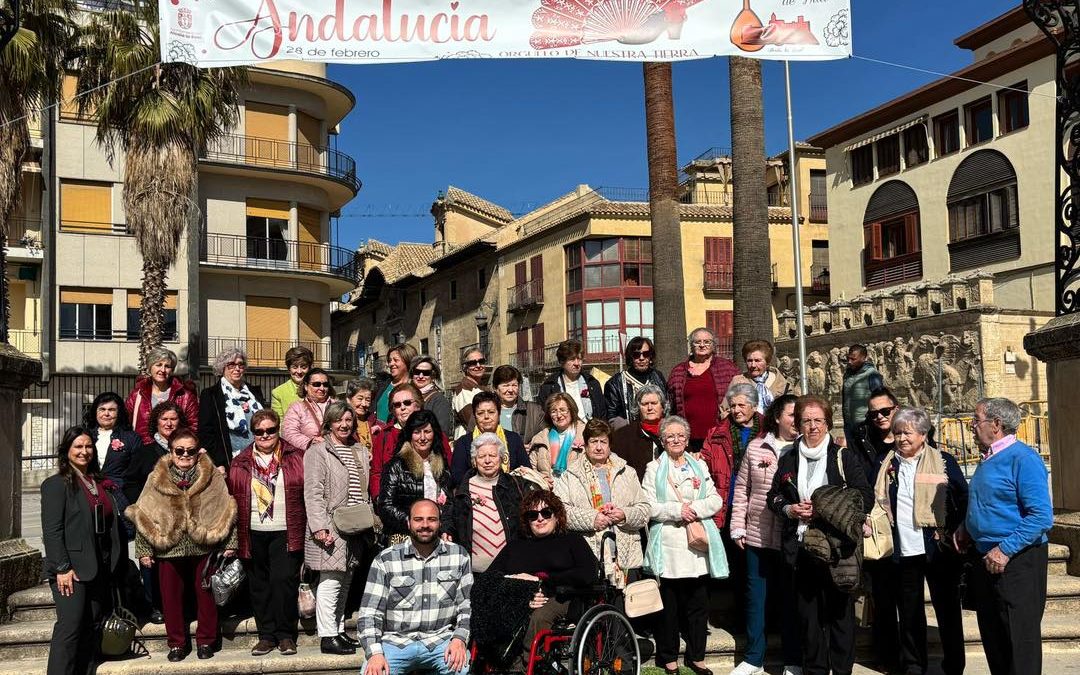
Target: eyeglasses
(702, 343)
(881, 412)
(185, 452)
(266, 431)
(975, 423)
(671, 438)
(472, 363)
(239, 365)
(536, 514)
(643, 354)
(403, 404)
(421, 373)
(817, 422)
(319, 385)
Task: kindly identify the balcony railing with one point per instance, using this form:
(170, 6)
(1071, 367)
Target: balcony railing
(529, 361)
(819, 278)
(268, 152)
(718, 277)
(21, 231)
(109, 334)
(263, 253)
(26, 341)
(361, 365)
(89, 227)
(819, 208)
(526, 295)
(267, 353)
(896, 270)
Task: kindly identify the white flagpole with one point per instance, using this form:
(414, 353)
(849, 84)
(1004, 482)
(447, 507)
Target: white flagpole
(796, 246)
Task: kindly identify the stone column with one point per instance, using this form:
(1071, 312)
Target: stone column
(20, 565)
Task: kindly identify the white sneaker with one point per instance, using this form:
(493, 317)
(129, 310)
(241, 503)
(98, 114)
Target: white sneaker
(746, 668)
(792, 670)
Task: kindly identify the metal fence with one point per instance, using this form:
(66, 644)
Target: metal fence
(954, 433)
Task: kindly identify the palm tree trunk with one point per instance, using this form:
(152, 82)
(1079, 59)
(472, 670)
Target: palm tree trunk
(14, 141)
(152, 315)
(668, 287)
(752, 264)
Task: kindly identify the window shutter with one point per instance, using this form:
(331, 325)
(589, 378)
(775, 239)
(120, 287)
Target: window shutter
(911, 230)
(86, 206)
(520, 273)
(311, 322)
(537, 265)
(266, 121)
(717, 250)
(135, 301)
(538, 337)
(267, 318)
(268, 208)
(1013, 206)
(522, 340)
(310, 236)
(85, 296)
(872, 236)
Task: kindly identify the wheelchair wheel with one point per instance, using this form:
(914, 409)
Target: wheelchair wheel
(604, 643)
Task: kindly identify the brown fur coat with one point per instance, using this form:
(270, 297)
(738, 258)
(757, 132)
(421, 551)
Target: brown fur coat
(177, 522)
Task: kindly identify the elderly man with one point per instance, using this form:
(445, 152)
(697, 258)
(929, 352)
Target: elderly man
(1009, 513)
(415, 612)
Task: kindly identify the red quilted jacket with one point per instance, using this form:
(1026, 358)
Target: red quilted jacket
(183, 393)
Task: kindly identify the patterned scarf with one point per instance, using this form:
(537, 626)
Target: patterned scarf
(765, 396)
(595, 492)
(504, 457)
(363, 433)
(239, 405)
(564, 450)
(263, 480)
(183, 479)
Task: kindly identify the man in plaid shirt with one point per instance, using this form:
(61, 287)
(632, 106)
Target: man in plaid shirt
(415, 611)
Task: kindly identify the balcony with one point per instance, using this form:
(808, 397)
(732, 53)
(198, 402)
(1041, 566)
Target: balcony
(300, 159)
(266, 255)
(819, 279)
(717, 278)
(26, 341)
(819, 208)
(266, 353)
(88, 227)
(531, 360)
(895, 270)
(525, 296)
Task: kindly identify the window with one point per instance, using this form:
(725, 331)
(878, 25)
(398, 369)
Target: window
(85, 314)
(888, 155)
(947, 133)
(721, 322)
(819, 202)
(916, 148)
(819, 266)
(134, 315)
(892, 242)
(608, 263)
(267, 222)
(984, 218)
(85, 207)
(69, 105)
(424, 346)
(481, 280)
(862, 165)
(453, 290)
(983, 214)
(979, 120)
(1013, 108)
(718, 269)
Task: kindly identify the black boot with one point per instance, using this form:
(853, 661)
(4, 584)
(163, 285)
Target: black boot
(335, 645)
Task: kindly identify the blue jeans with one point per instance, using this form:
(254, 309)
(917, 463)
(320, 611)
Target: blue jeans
(416, 656)
(767, 576)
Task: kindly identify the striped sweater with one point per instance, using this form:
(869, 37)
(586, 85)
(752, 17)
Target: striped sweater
(489, 535)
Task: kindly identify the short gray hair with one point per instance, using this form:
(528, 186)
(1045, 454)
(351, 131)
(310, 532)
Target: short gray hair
(670, 421)
(702, 329)
(1004, 411)
(916, 418)
(488, 438)
(227, 356)
(650, 388)
(742, 389)
(160, 354)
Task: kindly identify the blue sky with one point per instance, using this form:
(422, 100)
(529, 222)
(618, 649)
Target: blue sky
(522, 132)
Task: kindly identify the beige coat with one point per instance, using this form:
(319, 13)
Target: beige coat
(574, 490)
(540, 455)
(326, 487)
(775, 381)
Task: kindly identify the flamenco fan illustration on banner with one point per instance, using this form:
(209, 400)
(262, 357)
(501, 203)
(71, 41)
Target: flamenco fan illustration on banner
(750, 35)
(569, 23)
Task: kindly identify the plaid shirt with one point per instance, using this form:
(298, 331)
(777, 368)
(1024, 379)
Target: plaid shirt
(408, 598)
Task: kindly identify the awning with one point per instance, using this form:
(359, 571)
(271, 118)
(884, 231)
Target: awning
(922, 119)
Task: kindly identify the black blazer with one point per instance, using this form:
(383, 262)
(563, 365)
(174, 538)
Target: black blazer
(67, 530)
(116, 462)
(213, 429)
(554, 384)
(785, 490)
(142, 462)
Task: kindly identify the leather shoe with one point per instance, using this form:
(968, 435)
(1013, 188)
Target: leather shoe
(156, 617)
(348, 640)
(335, 645)
(287, 647)
(177, 654)
(205, 651)
(262, 648)
(698, 670)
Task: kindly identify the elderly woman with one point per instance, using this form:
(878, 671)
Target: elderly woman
(681, 493)
(335, 475)
(925, 494)
(725, 446)
(303, 421)
(482, 514)
(620, 392)
(603, 494)
(697, 386)
(84, 551)
(115, 442)
(571, 379)
(639, 442)
(769, 381)
(267, 482)
(556, 445)
(184, 514)
(156, 386)
(298, 361)
(826, 612)
(226, 407)
(473, 376)
(359, 395)
(398, 359)
(419, 469)
(524, 418)
(426, 374)
(404, 401)
(485, 408)
(755, 529)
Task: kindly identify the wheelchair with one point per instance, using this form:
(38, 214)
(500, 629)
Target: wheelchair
(594, 638)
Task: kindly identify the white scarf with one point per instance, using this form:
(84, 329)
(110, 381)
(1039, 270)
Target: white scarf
(808, 482)
(765, 395)
(240, 405)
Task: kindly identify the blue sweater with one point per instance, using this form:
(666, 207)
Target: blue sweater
(1009, 501)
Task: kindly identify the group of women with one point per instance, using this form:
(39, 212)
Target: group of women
(711, 474)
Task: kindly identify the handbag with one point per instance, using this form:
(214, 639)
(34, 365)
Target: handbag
(118, 630)
(305, 601)
(354, 519)
(642, 597)
(878, 545)
(225, 580)
(696, 537)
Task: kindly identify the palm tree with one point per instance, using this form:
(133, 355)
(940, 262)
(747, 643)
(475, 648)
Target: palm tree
(162, 116)
(751, 273)
(668, 290)
(31, 72)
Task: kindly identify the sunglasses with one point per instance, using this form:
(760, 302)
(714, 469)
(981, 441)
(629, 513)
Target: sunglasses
(403, 404)
(475, 362)
(881, 412)
(642, 354)
(536, 514)
(319, 385)
(185, 452)
(268, 431)
(422, 373)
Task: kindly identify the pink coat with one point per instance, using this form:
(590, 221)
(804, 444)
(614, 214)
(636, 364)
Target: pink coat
(302, 424)
(750, 515)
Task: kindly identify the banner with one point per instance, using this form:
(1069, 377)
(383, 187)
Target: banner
(210, 33)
